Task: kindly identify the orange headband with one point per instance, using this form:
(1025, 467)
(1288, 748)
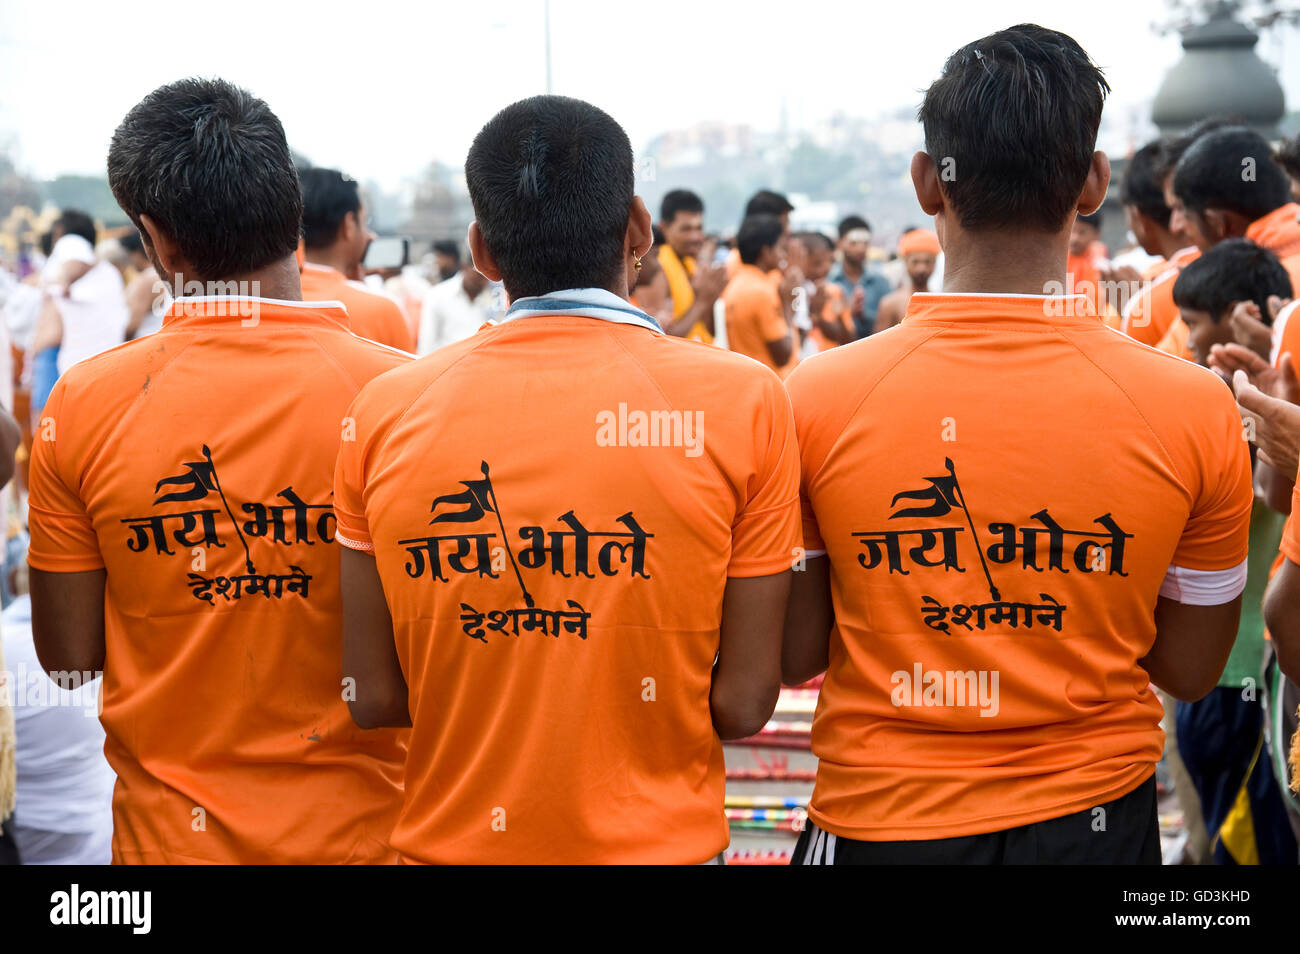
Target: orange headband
(918, 240)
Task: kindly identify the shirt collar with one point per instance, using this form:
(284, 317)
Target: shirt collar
(1279, 231)
(999, 308)
(582, 303)
(250, 311)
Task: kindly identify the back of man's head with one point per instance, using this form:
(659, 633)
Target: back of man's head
(1143, 188)
(1232, 170)
(1011, 125)
(1175, 146)
(551, 182)
(76, 222)
(1234, 270)
(756, 233)
(328, 197)
(679, 200)
(767, 202)
(208, 163)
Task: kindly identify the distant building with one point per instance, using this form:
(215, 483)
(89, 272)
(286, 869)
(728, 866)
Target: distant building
(1220, 75)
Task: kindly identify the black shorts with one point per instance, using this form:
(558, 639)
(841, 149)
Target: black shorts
(1122, 832)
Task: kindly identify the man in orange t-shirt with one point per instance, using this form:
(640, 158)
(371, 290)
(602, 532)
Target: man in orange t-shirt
(1227, 185)
(828, 310)
(1148, 315)
(758, 322)
(542, 595)
(335, 237)
(182, 536)
(989, 589)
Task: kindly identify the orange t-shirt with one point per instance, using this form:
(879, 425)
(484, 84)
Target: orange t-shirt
(1279, 232)
(1175, 340)
(755, 316)
(371, 316)
(196, 467)
(1290, 544)
(1149, 314)
(575, 727)
(977, 419)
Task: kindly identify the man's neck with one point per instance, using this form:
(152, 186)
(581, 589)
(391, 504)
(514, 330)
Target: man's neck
(278, 281)
(330, 258)
(1006, 263)
(854, 271)
(1171, 244)
(918, 286)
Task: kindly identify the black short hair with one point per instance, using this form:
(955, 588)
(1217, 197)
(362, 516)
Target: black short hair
(328, 197)
(76, 222)
(1211, 174)
(756, 233)
(447, 247)
(46, 242)
(209, 163)
(1143, 187)
(131, 243)
(1175, 146)
(1014, 116)
(551, 180)
(811, 240)
(851, 222)
(767, 202)
(1233, 270)
(679, 200)
(1288, 156)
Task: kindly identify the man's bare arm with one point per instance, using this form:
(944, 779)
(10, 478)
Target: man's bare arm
(1191, 647)
(369, 653)
(747, 677)
(11, 436)
(68, 619)
(805, 649)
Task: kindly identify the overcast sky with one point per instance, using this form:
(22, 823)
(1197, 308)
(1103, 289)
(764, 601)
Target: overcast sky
(380, 88)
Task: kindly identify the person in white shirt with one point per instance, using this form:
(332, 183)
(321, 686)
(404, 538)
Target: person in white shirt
(455, 309)
(89, 297)
(64, 809)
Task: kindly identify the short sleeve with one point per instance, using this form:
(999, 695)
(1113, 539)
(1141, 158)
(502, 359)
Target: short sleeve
(1291, 532)
(1209, 564)
(1286, 335)
(349, 483)
(766, 533)
(63, 538)
(813, 543)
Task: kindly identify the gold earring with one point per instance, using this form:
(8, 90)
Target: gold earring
(636, 261)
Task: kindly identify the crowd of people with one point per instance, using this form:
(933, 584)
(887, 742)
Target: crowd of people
(1015, 501)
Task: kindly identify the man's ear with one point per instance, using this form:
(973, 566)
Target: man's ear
(1094, 187)
(164, 246)
(925, 179)
(348, 228)
(478, 251)
(1222, 225)
(640, 234)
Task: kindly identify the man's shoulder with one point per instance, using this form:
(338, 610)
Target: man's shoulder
(112, 369)
(1137, 361)
(376, 302)
(748, 287)
(360, 353)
